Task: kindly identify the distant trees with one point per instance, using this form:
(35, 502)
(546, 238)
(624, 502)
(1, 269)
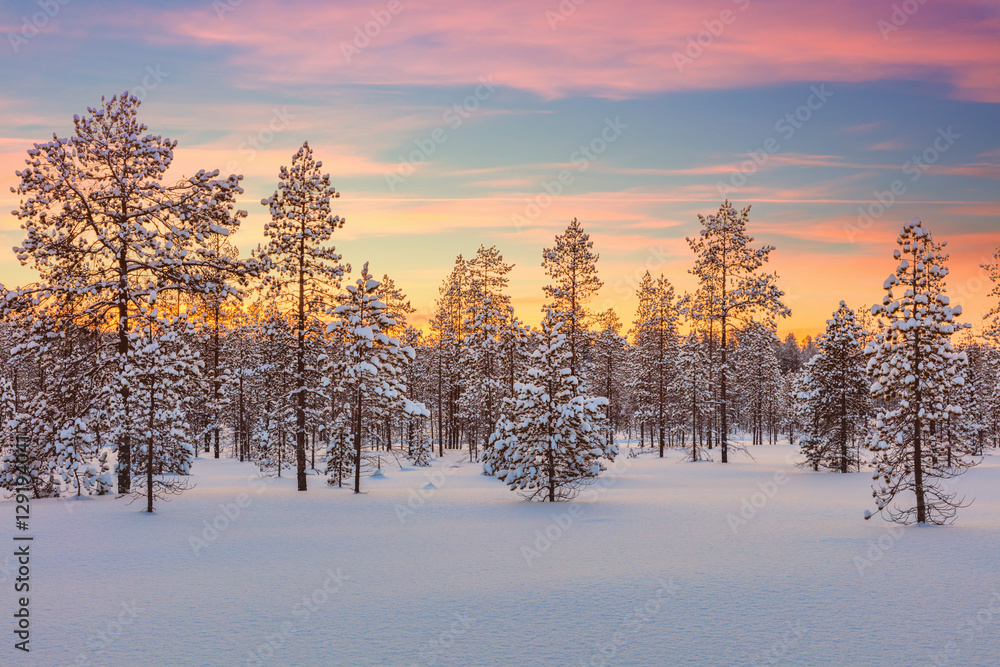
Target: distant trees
(136, 342)
(758, 381)
(914, 371)
(655, 351)
(834, 396)
(731, 287)
(610, 354)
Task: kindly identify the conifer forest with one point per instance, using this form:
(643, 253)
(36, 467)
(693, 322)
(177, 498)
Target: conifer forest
(429, 371)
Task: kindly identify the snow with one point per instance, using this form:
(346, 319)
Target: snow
(653, 565)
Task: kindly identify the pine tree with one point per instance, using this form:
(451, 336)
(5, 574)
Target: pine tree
(550, 441)
(790, 355)
(305, 274)
(835, 397)
(481, 357)
(610, 350)
(758, 380)
(372, 376)
(103, 226)
(691, 385)
(732, 286)
(449, 328)
(572, 266)
(913, 368)
(161, 366)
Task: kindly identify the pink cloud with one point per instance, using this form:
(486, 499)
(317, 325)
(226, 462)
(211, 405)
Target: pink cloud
(602, 49)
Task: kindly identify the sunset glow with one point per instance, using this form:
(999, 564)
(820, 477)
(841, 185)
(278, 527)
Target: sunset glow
(446, 125)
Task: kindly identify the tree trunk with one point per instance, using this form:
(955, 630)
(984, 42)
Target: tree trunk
(149, 453)
(125, 444)
(724, 435)
(357, 442)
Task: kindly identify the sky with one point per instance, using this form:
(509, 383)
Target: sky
(450, 124)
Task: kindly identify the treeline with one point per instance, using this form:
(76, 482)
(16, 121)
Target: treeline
(147, 341)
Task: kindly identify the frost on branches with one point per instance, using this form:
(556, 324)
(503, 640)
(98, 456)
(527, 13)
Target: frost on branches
(55, 398)
(105, 228)
(371, 378)
(551, 441)
(914, 371)
(160, 366)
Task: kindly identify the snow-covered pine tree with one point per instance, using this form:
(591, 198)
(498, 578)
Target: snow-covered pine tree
(103, 225)
(448, 328)
(551, 440)
(270, 388)
(399, 308)
(372, 375)
(610, 349)
(60, 396)
(732, 287)
(913, 369)
(161, 365)
(339, 451)
(691, 386)
(305, 274)
(655, 336)
(834, 396)
(571, 264)
(758, 380)
(486, 311)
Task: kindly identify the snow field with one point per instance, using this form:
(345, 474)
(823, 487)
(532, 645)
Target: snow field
(663, 562)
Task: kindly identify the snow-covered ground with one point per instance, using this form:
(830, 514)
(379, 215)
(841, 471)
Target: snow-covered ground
(654, 566)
